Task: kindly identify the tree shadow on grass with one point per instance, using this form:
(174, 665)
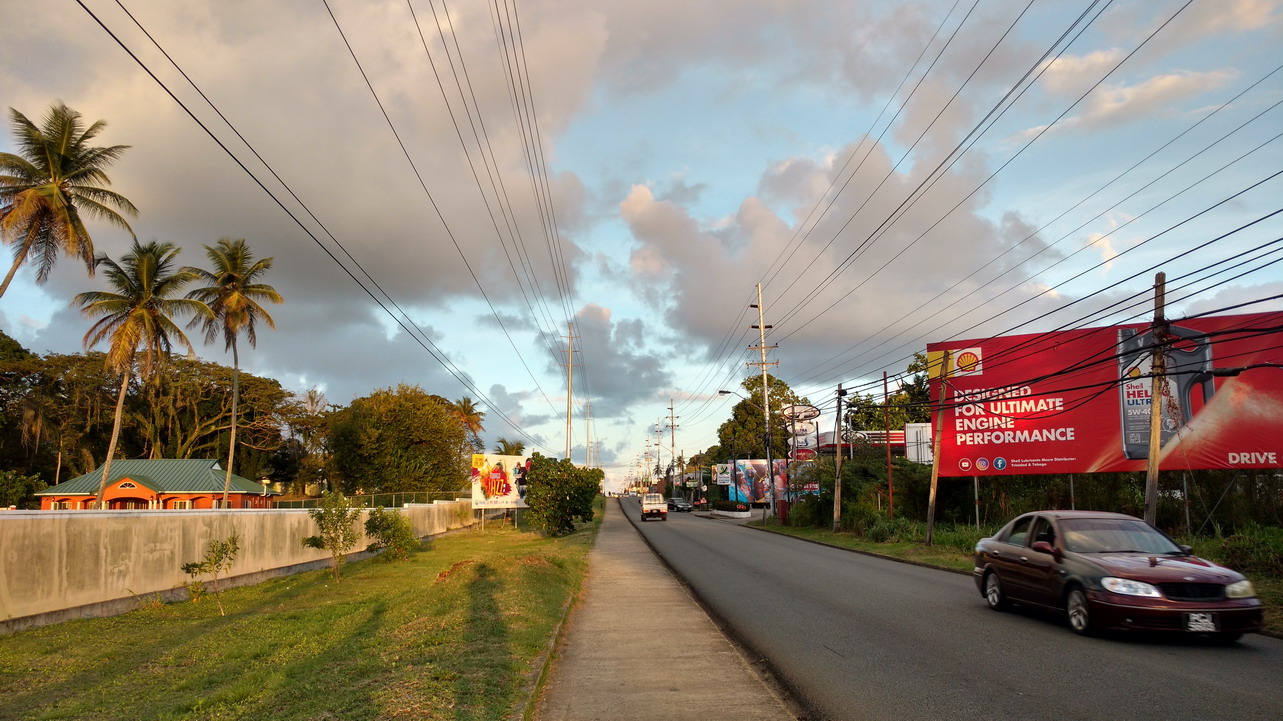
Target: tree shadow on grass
(488, 683)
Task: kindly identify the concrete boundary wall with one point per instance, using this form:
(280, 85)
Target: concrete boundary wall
(60, 565)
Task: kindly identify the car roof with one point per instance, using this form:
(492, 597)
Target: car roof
(1063, 514)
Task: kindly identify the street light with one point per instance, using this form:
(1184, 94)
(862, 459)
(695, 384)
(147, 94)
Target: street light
(770, 464)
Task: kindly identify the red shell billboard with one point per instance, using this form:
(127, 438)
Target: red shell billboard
(1078, 401)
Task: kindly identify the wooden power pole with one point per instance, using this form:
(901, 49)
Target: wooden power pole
(1158, 384)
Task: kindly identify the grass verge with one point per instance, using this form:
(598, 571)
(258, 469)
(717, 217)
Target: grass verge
(452, 633)
(1270, 590)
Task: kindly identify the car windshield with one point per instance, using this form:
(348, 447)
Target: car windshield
(1114, 535)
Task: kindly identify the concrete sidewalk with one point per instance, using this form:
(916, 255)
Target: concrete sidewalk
(639, 647)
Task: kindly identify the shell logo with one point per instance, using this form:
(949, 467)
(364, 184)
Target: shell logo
(969, 360)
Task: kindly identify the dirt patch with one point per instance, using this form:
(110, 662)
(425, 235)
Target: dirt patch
(457, 565)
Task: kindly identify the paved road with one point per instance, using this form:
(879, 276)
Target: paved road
(863, 638)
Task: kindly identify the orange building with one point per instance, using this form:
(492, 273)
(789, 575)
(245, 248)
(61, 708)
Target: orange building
(156, 484)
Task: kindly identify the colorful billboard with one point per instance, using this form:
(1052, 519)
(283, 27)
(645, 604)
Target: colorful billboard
(1078, 401)
(751, 484)
(499, 481)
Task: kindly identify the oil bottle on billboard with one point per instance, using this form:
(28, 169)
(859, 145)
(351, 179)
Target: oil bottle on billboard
(1188, 360)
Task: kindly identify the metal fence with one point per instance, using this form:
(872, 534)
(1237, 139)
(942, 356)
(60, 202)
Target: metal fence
(382, 500)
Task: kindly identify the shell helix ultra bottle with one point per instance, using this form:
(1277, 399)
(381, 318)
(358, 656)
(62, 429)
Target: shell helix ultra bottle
(1188, 361)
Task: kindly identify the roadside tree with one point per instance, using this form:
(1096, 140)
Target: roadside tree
(398, 440)
(558, 492)
(335, 522)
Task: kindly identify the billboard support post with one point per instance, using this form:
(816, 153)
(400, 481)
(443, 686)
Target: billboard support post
(1158, 387)
(935, 460)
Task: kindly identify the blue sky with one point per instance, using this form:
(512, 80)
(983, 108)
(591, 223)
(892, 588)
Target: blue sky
(683, 147)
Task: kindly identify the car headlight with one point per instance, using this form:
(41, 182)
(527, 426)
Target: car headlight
(1128, 587)
(1240, 589)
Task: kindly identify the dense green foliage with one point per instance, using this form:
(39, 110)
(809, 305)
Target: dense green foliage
(336, 531)
(558, 492)
(16, 490)
(392, 533)
(1222, 503)
(402, 439)
(56, 415)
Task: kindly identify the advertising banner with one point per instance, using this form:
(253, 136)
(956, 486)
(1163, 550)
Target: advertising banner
(752, 484)
(499, 481)
(1078, 401)
(722, 472)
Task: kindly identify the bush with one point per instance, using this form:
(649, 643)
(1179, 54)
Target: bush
(219, 556)
(334, 519)
(558, 492)
(1255, 551)
(392, 533)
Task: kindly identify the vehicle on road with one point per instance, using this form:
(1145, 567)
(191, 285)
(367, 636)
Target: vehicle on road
(681, 505)
(653, 506)
(1112, 571)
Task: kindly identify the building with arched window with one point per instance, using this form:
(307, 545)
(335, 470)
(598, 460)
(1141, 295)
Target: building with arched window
(157, 484)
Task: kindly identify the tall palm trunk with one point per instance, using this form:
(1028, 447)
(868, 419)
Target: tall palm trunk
(17, 261)
(115, 436)
(231, 446)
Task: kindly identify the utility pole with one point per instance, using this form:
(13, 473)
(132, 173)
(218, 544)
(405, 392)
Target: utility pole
(837, 481)
(766, 398)
(1158, 388)
(659, 443)
(570, 382)
(672, 437)
(935, 453)
(587, 433)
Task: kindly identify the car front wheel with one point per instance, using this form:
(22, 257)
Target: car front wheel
(994, 596)
(1078, 613)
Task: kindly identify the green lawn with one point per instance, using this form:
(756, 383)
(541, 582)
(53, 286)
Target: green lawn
(453, 633)
(1269, 589)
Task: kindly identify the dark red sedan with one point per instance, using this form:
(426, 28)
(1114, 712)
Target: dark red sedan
(1112, 571)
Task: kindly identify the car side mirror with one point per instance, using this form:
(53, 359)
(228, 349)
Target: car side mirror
(1044, 547)
(1189, 550)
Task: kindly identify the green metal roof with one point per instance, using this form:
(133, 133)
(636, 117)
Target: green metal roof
(162, 476)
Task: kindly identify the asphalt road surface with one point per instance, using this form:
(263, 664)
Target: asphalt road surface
(857, 637)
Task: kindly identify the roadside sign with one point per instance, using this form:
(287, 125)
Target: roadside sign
(802, 454)
(800, 413)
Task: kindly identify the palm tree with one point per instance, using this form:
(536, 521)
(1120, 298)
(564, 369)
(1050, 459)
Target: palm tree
(505, 447)
(45, 189)
(469, 415)
(234, 297)
(137, 320)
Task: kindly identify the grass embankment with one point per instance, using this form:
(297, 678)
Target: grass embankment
(453, 633)
(948, 556)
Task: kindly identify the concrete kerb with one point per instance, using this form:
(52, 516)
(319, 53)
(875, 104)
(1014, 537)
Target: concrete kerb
(766, 671)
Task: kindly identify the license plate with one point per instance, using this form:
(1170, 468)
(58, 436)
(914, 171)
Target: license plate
(1200, 622)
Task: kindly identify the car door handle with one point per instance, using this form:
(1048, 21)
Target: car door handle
(1024, 559)
(996, 552)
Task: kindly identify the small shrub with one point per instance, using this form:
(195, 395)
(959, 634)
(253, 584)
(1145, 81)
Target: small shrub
(392, 533)
(219, 556)
(334, 519)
